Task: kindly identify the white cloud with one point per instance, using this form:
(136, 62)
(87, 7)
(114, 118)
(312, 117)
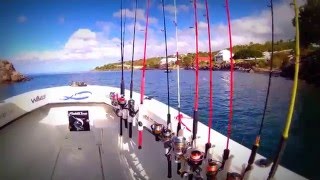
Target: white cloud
(170, 8)
(22, 19)
(99, 45)
(130, 14)
(82, 45)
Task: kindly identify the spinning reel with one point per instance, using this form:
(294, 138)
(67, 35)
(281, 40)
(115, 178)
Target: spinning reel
(213, 168)
(179, 145)
(131, 108)
(157, 130)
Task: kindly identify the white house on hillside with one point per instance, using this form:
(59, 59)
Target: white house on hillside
(170, 60)
(223, 56)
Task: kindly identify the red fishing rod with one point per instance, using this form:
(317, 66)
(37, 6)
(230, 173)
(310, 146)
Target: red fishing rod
(208, 145)
(226, 152)
(195, 112)
(140, 125)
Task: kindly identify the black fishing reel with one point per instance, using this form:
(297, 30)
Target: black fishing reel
(157, 130)
(131, 108)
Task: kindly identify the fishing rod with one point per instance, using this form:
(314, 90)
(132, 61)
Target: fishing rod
(122, 70)
(121, 100)
(195, 111)
(167, 147)
(195, 155)
(226, 152)
(178, 66)
(140, 125)
(285, 133)
(131, 102)
(178, 77)
(208, 145)
(256, 144)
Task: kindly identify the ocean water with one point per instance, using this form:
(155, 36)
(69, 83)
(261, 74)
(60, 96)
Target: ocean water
(301, 154)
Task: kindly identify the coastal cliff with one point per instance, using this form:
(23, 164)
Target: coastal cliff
(9, 74)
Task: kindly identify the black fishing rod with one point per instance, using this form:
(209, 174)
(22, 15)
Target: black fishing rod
(195, 111)
(131, 102)
(168, 155)
(122, 68)
(285, 133)
(122, 80)
(256, 144)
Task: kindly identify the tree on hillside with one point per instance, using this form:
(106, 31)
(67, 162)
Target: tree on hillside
(247, 53)
(309, 23)
(187, 61)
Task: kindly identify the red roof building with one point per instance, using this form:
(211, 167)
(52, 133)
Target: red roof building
(202, 59)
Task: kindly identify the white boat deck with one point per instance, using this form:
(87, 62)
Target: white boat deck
(39, 145)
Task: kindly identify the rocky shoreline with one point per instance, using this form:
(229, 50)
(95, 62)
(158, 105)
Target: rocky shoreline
(8, 73)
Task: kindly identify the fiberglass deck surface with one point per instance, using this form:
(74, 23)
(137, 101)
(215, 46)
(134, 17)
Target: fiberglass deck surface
(39, 145)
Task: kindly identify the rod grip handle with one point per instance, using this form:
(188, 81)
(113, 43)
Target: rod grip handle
(139, 139)
(178, 168)
(253, 154)
(126, 123)
(208, 146)
(122, 87)
(195, 124)
(120, 126)
(276, 161)
(169, 166)
(130, 129)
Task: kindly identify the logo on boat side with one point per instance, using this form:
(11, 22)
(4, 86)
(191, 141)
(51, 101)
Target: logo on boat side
(146, 117)
(79, 120)
(38, 98)
(78, 96)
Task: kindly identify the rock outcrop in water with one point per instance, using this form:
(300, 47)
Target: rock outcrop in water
(9, 74)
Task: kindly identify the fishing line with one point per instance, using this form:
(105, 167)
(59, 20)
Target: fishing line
(208, 145)
(256, 144)
(143, 74)
(285, 134)
(226, 152)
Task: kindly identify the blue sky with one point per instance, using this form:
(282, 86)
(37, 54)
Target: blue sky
(78, 35)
